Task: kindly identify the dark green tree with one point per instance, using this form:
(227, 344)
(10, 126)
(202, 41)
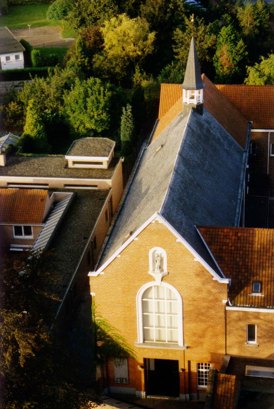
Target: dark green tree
(34, 137)
(229, 59)
(87, 106)
(127, 130)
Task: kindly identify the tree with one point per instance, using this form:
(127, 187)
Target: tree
(253, 18)
(12, 116)
(229, 57)
(126, 43)
(37, 371)
(34, 136)
(262, 73)
(87, 106)
(127, 130)
(59, 9)
(205, 40)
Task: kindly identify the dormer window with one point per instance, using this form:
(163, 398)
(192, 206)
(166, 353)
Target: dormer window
(257, 287)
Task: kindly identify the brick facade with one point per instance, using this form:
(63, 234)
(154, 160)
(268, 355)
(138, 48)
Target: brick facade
(203, 308)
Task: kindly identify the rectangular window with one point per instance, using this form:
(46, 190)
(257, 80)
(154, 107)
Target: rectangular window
(121, 371)
(251, 334)
(22, 231)
(272, 149)
(8, 59)
(17, 57)
(257, 287)
(202, 375)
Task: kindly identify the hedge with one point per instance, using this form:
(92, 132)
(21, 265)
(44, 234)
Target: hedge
(4, 8)
(26, 45)
(39, 59)
(24, 74)
(28, 2)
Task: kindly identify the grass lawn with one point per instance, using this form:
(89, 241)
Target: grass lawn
(20, 16)
(60, 52)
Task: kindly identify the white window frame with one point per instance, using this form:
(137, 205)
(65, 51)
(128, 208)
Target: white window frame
(24, 236)
(200, 370)
(19, 57)
(140, 314)
(8, 58)
(247, 340)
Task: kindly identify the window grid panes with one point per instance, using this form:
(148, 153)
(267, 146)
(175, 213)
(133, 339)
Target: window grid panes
(160, 315)
(202, 374)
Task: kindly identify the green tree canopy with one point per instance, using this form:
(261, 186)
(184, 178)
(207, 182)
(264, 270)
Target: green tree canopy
(126, 42)
(87, 106)
(230, 56)
(127, 130)
(205, 40)
(253, 18)
(261, 73)
(59, 9)
(34, 137)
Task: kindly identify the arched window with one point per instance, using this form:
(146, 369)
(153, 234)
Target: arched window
(159, 307)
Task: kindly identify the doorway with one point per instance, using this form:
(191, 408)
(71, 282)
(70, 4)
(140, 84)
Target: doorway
(162, 377)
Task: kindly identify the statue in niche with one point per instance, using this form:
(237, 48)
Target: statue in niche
(158, 260)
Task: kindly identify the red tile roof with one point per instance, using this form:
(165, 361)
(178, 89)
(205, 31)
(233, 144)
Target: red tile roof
(254, 102)
(244, 255)
(219, 107)
(20, 206)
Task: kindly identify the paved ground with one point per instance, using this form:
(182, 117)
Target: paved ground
(131, 402)
(43, 37)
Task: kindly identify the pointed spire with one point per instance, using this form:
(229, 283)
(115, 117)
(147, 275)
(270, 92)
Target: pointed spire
(192, 80)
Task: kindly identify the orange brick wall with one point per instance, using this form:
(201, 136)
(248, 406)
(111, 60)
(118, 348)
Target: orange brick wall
(203, 309)
(236, 334)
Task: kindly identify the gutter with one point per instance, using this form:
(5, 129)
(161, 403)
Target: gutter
(242, 180)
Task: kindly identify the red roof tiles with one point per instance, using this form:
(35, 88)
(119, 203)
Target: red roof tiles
(244, 255)
(216, 104)
(20, 206)
(254, 102)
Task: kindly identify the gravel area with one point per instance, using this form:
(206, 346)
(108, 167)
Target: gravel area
(43, 37)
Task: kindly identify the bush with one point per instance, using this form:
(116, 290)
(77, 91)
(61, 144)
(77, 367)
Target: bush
(36, 59)
(26, 45)
(59, 9)
(24, 74)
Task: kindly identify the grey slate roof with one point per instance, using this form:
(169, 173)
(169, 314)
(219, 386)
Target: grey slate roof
(8, 43)
(193, 80)
(91, 147)
(194, 179)
(52, 166)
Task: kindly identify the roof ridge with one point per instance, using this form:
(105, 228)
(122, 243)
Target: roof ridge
(175, 161)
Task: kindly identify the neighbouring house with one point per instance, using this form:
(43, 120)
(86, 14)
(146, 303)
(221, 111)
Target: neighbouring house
(64, 204)
(179, 276)
(11, 51)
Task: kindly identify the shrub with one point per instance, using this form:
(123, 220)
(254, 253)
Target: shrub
(37, 59)
(28, 2)
(24, 74)
(4, 7)
(26, 45)
(59, 10)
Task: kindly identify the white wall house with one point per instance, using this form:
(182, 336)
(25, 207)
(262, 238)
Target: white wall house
(11, 51)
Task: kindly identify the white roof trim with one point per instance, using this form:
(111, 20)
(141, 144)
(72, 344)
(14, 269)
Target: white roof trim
(176, 234)
(130, 239)
(248, 309)
(87, 158)
(194, 253)
(262, 130)
(208, 249)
